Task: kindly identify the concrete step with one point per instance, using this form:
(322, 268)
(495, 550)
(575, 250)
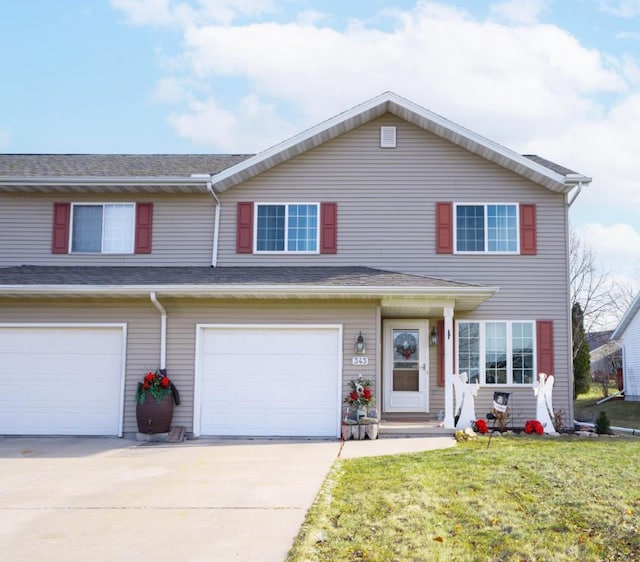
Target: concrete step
(409, 428)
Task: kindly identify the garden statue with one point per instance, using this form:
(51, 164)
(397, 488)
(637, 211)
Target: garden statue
(543, 390)
(465, 404)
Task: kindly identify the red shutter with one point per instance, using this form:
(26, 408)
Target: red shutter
(328, 228)
(544, 333)
(440, 352)
(144, 223)
(444, 228)
(244, 228)
(528, 234)
(60, 234)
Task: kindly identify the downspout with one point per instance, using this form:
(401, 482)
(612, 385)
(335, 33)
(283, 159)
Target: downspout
(216, 226)
(163, 329)
(575, 195)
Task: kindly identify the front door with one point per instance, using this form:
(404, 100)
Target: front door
(406, 376)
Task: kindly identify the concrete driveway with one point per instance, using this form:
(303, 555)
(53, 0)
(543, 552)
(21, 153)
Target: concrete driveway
(111, 499)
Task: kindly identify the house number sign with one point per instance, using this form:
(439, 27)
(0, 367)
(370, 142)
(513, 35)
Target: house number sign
(359, 360)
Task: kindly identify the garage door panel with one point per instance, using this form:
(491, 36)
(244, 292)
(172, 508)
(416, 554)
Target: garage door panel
(60, 381)
(269, 386)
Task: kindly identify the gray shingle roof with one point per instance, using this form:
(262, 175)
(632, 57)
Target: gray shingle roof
(548, 164)
(115, 165)
(241, 276)
(143, 165)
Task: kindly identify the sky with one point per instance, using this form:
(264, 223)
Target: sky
(557, 78)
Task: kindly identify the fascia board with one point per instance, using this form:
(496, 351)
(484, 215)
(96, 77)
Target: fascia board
(101, 180)
(289, 291)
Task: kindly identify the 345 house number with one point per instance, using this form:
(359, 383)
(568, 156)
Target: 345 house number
(359, 360)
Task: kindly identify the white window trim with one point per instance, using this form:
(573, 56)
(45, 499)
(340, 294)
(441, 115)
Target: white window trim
(286, 228)
(483, 348)
(96, 204)
(486, 230)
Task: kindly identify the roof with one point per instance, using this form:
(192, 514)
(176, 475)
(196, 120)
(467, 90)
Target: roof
(115, 165)
(629, 315)
(122, 172)
(596, 339)
(235, 282)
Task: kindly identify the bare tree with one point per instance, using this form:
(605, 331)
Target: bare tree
(623, 294)
(590, 287)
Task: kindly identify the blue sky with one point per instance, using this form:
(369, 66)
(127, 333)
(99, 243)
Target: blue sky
(560, 78)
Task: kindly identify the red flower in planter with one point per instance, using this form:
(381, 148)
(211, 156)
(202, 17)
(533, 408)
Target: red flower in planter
(158, 385)
(360, 395)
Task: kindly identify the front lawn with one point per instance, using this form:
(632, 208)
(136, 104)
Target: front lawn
(621, 413)
(524, 498)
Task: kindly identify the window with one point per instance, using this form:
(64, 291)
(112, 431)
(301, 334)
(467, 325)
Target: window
(103, 228)
(287, 227)
(495, 353)
(486, 228)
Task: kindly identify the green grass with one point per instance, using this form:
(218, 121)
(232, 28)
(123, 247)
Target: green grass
(621, 413)
(522, 499)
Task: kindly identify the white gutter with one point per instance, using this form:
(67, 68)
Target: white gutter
(252, 290)
(163, 329)
(101, 180)
(216, 224)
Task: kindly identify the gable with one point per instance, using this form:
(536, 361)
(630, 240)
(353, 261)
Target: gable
(388, 102)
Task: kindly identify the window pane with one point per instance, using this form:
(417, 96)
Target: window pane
(496, 352)
(470, 228)
(118, 229)
(522, 354)
(303, 228)
(86, 235)
(469, 350)
(270, 235)
(502, 231)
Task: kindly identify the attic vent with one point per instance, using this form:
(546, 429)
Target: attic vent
(387, 137)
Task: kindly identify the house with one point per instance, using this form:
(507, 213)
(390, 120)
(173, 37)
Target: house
(627, 334)
(251, 278)
(605, 356)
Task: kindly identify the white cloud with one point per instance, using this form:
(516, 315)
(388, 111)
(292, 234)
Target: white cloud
(200, 12)
(520, 11)
(237, 130)
(621, 8)
(617, 246)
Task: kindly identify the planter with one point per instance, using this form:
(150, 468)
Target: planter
(154, 416)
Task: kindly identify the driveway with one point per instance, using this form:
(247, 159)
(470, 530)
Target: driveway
(119, 500)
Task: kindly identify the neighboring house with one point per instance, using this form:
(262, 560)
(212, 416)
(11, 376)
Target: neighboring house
(627, 334)
(605, 355)
(251, 278)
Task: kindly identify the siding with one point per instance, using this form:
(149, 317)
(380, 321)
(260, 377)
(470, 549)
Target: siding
(143, 334)
(631, 346)
(182, 231)
(386, 219)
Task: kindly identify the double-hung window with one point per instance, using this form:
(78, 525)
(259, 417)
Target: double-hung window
(107, 228)
(494, 353)
(287, 227)
(486, 228)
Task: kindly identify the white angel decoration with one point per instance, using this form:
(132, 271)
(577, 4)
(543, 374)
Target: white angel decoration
(543, 390)
(465, 404)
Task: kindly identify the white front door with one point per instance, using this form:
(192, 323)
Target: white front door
(406, 373)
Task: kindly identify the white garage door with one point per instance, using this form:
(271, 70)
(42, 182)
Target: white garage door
(263, 381)
(61, 380)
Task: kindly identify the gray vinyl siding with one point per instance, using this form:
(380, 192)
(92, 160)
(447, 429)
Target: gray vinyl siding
(386, 219)
(143, 334)
(631, 354)
(182, 231)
